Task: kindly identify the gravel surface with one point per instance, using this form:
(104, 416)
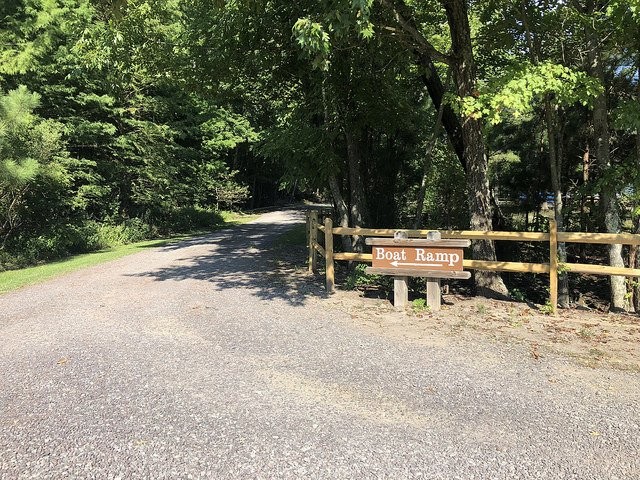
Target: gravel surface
(196, 361)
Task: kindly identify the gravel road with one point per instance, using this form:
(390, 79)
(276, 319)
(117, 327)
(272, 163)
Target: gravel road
(195, 361)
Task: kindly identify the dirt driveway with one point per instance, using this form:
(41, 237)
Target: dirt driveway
(206, 359)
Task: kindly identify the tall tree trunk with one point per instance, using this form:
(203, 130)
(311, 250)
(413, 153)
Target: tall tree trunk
(358, 208)
(586, 159)
(487, 283)
(608, 198)
(634, 260)
(341, 209)
(555, 155)
(555, 169)
(334, 185)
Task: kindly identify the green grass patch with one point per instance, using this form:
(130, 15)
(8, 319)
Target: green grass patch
(14, 279)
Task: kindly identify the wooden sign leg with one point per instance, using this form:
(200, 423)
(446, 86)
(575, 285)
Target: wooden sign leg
(400, 284)
(434, 299)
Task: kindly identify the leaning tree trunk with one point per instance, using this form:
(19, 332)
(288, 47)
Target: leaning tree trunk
(487, 283)
(608, 199)
(424, 54)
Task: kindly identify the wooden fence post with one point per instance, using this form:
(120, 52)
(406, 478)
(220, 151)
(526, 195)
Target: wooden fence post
(400, 284)
(313, 235)
(328, 247)
(553, 265)
(434, 299)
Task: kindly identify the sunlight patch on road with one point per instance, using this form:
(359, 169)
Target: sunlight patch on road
(374, 408)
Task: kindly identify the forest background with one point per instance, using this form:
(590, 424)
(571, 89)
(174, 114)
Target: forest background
(128, 119)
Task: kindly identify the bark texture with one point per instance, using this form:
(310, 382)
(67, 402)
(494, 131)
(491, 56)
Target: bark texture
(358, 206)
(464, 74)
(635, 258)
(425, 53)
(450, 120)
(341, 209)
(554, 140)
(608, 200)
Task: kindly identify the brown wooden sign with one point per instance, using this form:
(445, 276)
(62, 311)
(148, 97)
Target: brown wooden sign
(424, 258)
(418, 257)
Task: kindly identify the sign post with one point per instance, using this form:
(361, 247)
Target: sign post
(434, 297)
(429, 257)
(400, 283)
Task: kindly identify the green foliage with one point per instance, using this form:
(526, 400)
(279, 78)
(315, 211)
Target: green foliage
(14, 174)
(357, 278)
(150, 116)
(445, 204)
(626, 116)
(547, 308)
(344, 19)
(420, 305)
(32, 160)
(314, 39)
(517, 295)
(228, 192)
(516, 93)
(116, 151)
(619, 9)
(224, 131)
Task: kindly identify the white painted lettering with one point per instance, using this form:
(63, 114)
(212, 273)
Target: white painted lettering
(379, 253)
(420, 255)
(442, 257)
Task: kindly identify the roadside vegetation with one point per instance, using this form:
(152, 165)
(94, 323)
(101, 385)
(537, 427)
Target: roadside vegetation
(14, 279)
(125, 120)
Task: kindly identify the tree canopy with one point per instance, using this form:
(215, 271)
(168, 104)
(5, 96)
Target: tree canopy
(150, 116)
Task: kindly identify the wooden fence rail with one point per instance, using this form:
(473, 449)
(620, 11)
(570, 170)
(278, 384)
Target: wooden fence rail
(553, 237)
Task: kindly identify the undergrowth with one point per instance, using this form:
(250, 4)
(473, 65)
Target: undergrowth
(62, 241)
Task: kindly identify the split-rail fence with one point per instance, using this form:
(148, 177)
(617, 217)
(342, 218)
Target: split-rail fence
(317, 229)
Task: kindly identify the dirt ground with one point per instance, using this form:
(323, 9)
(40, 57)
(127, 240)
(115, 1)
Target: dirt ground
(588, 337)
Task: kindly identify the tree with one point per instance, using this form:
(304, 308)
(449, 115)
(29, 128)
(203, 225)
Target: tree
(32, 156)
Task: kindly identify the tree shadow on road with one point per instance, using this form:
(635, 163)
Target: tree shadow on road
(249, 256)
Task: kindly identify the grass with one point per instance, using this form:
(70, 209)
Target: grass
(14, 279)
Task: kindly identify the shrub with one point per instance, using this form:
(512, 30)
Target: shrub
(187, 219)
(358, 279)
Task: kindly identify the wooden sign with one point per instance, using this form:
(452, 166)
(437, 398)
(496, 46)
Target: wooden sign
(424, 258)
(418, 257)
